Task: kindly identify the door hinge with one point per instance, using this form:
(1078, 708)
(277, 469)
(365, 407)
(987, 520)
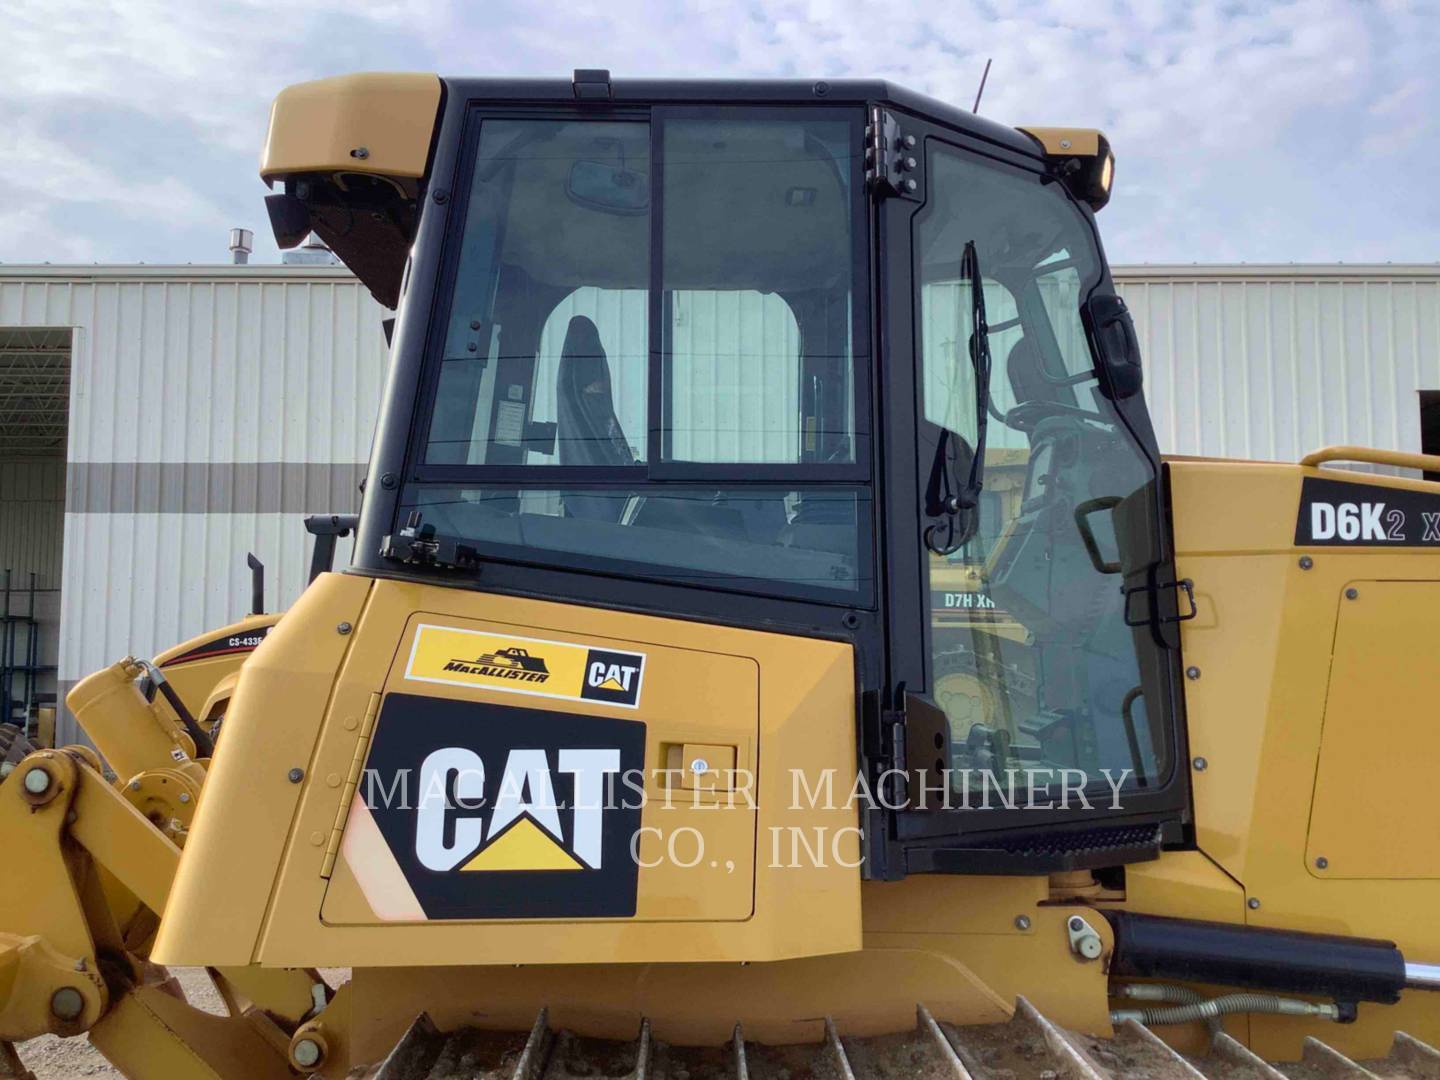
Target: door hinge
(352, 783)
(919, 753)
(892, 158)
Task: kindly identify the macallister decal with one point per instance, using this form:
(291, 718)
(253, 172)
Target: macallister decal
(521, 665)
(1343, 512)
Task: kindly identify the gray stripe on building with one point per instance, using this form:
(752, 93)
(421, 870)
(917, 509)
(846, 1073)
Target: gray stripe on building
(198, 487)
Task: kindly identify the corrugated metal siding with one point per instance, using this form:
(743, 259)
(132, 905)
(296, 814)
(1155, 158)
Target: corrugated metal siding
(148, 581)
(248, 366)
(210, 365)
(32, 519)
(1273, 362)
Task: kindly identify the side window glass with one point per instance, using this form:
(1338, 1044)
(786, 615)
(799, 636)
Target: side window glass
(948, 391)
(571, 382)
(545, 354)
(691, 458)
(1030, 654)
(735, 377)
(758, 272)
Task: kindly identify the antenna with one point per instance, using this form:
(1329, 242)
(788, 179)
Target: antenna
(983, 76)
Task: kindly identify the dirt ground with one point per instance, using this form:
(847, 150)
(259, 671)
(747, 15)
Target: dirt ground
(52, 1058)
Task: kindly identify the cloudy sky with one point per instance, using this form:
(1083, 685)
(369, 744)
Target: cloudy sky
(1264, 131)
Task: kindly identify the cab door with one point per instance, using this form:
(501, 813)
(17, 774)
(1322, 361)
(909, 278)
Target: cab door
(1040, 693)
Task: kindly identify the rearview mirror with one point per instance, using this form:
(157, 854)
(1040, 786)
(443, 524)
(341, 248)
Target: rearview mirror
(1118, 363)
(289, 219)
(611, 188)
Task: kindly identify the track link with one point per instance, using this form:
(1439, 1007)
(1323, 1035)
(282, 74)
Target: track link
(1028, 1046)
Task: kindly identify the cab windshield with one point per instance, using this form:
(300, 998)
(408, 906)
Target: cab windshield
(651, 358)
(1031, 656)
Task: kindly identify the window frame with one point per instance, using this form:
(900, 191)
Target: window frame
(921, 833)
(863, 596)
(655, 470)
(654, 473)
(1032, 313)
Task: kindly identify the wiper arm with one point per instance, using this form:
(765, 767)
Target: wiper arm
(961, 509)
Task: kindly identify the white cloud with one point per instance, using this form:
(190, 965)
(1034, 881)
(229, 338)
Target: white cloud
(1239, 127)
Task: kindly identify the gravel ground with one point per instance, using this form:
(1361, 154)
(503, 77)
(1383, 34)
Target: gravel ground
(52, 1058)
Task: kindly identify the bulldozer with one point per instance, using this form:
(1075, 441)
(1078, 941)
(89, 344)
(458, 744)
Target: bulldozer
(634, 740)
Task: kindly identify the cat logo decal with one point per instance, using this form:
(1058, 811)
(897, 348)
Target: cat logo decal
(521, 665)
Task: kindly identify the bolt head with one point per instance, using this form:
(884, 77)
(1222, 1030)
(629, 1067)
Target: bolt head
(306, 1053)
(1077, 923)
(1253, 903)
(1200, 764)
(1022, 922)
(296, 775)
(1192, 672)
(1322, 863)
(67, 1003)
(1306, 562)
(1351, 593)
(37, 781)
(343, 628)
(909, 141)
(910, 185)
(184, 796)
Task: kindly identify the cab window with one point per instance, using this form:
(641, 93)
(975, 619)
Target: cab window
(649, 363)
(1030, 653)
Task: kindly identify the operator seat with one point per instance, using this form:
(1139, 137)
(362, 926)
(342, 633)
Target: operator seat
(1027, 378)
(587, 430)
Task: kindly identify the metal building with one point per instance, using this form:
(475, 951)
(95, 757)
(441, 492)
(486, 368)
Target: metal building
(157, 423)
(1271, 362)
(209, 408)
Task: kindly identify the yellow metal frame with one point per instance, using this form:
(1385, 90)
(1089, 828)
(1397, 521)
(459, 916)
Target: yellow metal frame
(1260, 652)
(373, 124)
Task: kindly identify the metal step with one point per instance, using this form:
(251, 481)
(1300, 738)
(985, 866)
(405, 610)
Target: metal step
(1028, 1046)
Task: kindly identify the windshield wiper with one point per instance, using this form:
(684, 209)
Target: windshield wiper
(961, 509)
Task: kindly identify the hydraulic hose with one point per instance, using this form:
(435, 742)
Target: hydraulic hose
(1212, 1008)
(1172, 995)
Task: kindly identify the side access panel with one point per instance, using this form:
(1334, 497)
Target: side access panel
(559, 797)
(1380, 742)
(510, 715)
